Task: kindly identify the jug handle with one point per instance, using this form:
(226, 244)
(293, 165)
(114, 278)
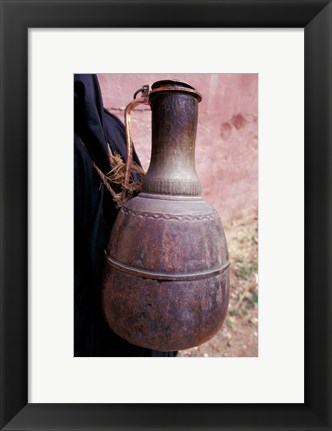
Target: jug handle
(144, 99)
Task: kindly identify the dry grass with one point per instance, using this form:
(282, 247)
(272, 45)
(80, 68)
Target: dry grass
(116, 177)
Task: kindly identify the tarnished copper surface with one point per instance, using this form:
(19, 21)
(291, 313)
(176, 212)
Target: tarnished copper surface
(166, 278)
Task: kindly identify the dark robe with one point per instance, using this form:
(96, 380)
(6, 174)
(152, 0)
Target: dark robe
(94, 215)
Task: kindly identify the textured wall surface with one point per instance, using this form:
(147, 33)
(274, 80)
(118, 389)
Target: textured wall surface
(227, 134)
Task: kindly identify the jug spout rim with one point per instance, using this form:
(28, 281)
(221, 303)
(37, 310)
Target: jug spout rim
(166, 81)
(174, 85)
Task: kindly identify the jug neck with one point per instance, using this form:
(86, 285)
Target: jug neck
(172, 169)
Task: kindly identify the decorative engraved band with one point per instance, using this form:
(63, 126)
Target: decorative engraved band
(162, 276)
(163, 216)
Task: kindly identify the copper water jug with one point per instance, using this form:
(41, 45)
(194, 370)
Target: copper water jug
(166, 277)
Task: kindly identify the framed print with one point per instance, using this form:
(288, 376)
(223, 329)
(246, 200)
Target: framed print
(50, 342)
(138, 397)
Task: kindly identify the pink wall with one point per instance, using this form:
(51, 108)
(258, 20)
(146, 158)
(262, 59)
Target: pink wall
(227, 135)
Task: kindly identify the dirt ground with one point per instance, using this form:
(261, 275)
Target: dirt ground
(238, 336)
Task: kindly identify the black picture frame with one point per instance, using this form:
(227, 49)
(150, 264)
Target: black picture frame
(17, 16)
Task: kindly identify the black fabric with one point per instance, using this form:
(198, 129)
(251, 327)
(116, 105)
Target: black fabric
(94, 215)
